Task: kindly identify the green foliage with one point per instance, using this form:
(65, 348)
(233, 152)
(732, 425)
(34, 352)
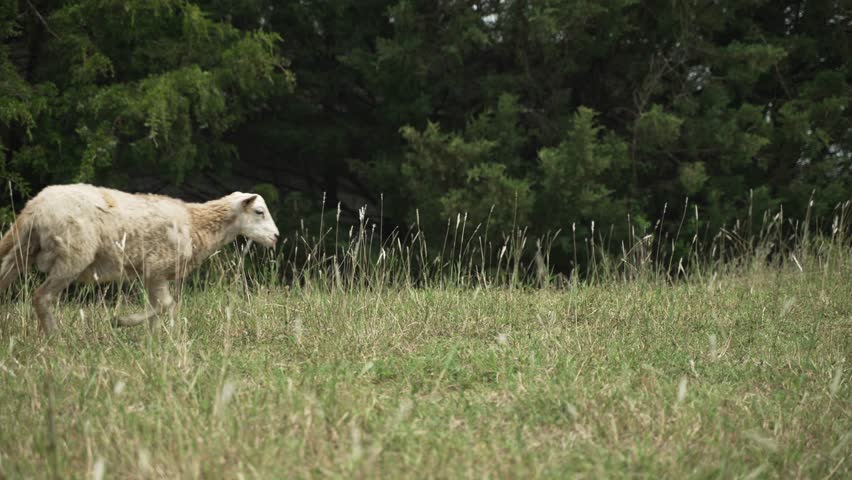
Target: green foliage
(657, 130)
(578, 174)
(441, 108)
(692, 177)
(122, 88)
(491, 196)
(447, 175)
(100, 148)
(12, 182)
(744, 63)
(501, 125)
(268, 192)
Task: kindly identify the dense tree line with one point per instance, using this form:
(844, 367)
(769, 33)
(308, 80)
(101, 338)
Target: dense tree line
(542, 113)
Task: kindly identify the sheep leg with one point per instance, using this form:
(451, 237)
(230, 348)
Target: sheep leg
(161, 301)
(11, 267)
(43, 297)
(8, 276)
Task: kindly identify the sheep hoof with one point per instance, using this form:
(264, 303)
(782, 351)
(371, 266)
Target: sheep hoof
(129, 321)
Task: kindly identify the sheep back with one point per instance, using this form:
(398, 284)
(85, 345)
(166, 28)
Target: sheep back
(106, 233)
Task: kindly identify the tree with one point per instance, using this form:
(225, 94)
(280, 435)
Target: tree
(551, 112)
(108, 91)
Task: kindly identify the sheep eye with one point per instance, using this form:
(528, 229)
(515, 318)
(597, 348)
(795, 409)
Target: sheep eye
(259, 212)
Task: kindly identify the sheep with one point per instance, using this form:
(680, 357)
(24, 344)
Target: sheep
(94, 234)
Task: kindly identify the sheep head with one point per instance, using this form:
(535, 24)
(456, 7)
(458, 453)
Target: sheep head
(254, 220)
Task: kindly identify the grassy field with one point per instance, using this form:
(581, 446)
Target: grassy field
(733, 375)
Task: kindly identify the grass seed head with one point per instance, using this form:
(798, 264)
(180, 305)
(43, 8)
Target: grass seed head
(98, 469)
(681, 389)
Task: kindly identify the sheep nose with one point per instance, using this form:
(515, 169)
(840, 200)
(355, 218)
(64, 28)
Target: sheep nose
(275, 239)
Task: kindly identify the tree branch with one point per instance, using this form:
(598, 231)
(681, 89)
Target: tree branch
(43, 21)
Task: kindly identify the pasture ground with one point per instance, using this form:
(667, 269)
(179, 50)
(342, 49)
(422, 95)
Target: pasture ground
(729, 376)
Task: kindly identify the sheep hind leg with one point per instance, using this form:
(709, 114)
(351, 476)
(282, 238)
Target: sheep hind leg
(12, 266)
(8, 276)
(160, 302)
(62, 271)
(44, 296)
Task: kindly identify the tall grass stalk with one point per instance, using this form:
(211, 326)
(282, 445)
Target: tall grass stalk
(467, 257)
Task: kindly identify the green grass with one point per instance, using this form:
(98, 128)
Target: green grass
(733, 375)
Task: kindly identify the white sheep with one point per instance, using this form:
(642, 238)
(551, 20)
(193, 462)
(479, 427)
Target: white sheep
(93, 234)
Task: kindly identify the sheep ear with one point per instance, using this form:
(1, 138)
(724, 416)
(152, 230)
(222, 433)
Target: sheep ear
(247, 202)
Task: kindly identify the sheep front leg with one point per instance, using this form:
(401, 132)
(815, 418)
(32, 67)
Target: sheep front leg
(163, 301)
(160, 302)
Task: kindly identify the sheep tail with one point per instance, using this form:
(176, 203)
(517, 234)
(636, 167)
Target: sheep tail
(8, 241)
(12, 238)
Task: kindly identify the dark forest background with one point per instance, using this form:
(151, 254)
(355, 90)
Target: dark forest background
(546, 114)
